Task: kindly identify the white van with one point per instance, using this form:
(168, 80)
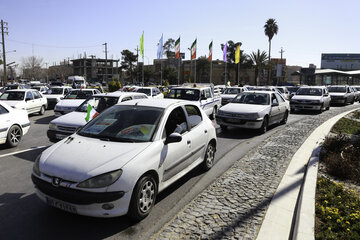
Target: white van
(79, 81)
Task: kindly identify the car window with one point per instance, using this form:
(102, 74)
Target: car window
(279, 98)
(176, 122)
(29, 96)
(12, 96)
(3, 110)
(207, 93)
(194, 115)
(273, 99)
(36, 94)
(98, 103)
(126, 99)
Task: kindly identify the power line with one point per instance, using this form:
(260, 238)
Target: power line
(50, 46)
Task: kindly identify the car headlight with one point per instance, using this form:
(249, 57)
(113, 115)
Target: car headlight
(52, 126)
(36, 167)
(102, 180)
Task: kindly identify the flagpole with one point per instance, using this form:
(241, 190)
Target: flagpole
(238, 74)
(195, 71)
(225, 74)
(195, 57)
(161, 72)
(179, 64)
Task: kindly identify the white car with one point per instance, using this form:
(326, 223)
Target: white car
(151, 92)
(341, 94)
(41, 89)
(118, 162)
(55, 94)
(14, 123)
(27, 99)
(229, 94)
(311, 98)
(254, 110)
(73, 100)
(284, 91)
(67, 124)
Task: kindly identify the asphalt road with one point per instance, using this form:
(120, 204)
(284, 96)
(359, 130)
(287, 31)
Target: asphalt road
(24, 216)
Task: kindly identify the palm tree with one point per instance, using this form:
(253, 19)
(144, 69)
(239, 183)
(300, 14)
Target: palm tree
(258, 60)
(271, 28)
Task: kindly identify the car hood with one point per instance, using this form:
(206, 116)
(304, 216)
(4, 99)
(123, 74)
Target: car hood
(13, 103)
(82, 158)
(243, 108)
(304, 97)
(337, 94)
(70, 102)
(53, 95)
(71, 119)
(228, 96)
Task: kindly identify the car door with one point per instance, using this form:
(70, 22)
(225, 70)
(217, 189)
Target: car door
(198, 133)
(38, 102)
(176, 156)
(5, 122)
(206, 101)
(282, 104)
(326, 97)
(275, 113)
(30, 105)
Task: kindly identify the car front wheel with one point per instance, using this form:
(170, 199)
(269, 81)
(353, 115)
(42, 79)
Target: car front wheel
(14, 136)
(42, 110)
(143, 198)
(264, 126)
(285, 118)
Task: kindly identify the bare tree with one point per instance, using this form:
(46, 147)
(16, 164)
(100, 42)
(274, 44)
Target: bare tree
(31, 67)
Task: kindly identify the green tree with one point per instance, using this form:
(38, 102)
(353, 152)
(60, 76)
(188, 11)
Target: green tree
(203, 69)
(258, 60)
(170, 74)
(169, 45)
(112, 86)
(128, 60)
(270, 28)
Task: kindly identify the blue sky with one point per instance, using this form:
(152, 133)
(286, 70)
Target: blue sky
(57, 30)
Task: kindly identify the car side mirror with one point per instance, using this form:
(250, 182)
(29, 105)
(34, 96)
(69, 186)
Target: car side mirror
(275, 104)
(173, 138)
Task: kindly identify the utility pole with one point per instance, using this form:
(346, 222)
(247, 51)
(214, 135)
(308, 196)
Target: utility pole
(3, 32)
(281, 58)
(106, 63)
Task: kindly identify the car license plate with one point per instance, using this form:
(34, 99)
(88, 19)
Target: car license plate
(233, 120)
(60, 136)
(61, 205)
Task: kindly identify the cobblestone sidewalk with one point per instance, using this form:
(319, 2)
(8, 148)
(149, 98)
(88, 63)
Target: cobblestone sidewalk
(233, 206)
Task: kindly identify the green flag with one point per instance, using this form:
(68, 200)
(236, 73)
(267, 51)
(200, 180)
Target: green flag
(142, 45)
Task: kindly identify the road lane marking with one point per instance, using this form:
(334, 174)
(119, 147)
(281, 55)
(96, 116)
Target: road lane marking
(26, 150)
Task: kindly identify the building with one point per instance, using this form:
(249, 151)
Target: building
(340, 61)
(96, 69)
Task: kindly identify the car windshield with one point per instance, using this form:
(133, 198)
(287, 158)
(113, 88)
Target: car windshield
(16, 96)
(78, 94)
(337, 89)
(55, 91)
(231, 91)
(309, 91)
(293, 89)
(357, 88)
(252, 98)
(147, 91)
(122, 123)
(99, 103)
(186, 94)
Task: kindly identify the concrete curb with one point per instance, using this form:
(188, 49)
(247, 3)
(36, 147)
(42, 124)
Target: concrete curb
(281, 213)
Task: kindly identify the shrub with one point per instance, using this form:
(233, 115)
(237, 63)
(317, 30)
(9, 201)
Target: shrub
(337, 211)
(340, 156)
(346, 125)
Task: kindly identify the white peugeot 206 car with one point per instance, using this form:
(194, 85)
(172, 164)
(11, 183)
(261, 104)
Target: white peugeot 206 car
(118, 162)
(254, 110)
(14, 123)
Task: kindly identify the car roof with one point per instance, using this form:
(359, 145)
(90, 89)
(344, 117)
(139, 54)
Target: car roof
(20, 90)
(119, 94)
(254, 91)
(160, 103)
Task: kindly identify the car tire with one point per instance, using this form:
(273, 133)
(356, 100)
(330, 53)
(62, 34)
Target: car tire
(285, 118)
(264, 126)
(213, 114)
(143, 198)
(321, 108)
(328, 107)
(209, 157)
(223, 128)
(42, 110)
(353, 101)
(14, 136)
